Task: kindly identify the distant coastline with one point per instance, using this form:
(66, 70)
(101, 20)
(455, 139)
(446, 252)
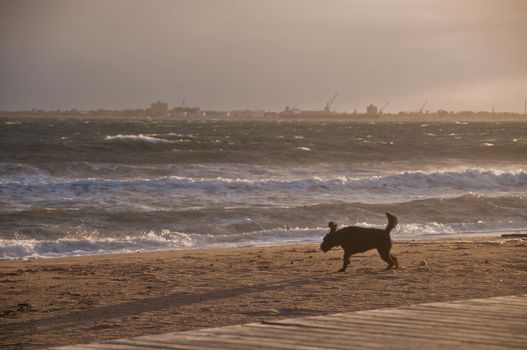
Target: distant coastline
(161, 110)
(462, 116)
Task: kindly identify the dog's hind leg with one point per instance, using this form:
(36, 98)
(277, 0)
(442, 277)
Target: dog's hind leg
(394, 260)
(385, 255)
(346, 261)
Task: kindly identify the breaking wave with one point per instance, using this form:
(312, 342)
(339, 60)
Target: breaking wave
(471, 179)
(140, 138)
(79, 187)
(151, 241)
(167, 240)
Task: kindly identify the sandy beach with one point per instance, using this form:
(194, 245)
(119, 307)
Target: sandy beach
(51, 302)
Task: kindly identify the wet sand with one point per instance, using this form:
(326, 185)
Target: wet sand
(52, 302)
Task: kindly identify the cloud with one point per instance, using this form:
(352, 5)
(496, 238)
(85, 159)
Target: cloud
(265, 54)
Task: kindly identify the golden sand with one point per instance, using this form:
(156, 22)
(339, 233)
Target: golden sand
(51, 302)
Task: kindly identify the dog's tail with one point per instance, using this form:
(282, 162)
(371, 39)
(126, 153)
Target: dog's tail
(392, 222)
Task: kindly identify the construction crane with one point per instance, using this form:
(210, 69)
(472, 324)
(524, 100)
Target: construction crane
(423, 107)
(327, 107)
(383, 107)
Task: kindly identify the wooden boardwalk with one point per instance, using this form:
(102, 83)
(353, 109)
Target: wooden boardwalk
(492, 323)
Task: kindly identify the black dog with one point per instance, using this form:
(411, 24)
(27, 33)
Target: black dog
(355, 239)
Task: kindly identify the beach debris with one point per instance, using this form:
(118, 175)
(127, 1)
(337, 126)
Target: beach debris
(390, 277)
(516, 235)
(105, 325)
(11, 273)
(6, 313)
(24, 307)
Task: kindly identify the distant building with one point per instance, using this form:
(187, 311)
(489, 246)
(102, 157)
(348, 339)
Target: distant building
(158, 108)
(216, 114)
(183, 111)
(289, 111)
(372, 110)
(247, 113)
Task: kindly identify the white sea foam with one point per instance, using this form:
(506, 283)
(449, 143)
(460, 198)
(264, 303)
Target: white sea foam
(468, 180)
(22, 174)
(151, 241)
(169, 192)
(167, 240)
(136, 138)
(31, 248)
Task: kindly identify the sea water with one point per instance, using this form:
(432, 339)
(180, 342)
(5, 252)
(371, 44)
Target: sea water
(84, 187)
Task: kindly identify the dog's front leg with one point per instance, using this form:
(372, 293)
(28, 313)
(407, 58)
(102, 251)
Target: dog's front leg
(346, 261)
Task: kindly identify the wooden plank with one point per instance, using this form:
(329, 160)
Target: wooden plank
(397, 324)
(493, 323)
(430, 316)
(412, 318)
(481, 309)
(225, 338)
(444, 320)
(307, 337)
(455, 309)
(300, 337)
(366, 340)
(435, 315)
(441, 318)
(96, 346)
(512, 299)
(223, 342)
(452, 333)
(182, 343)
(472, 308)
(413, 331)
(306, 340)
(308, 331)
(194, 342)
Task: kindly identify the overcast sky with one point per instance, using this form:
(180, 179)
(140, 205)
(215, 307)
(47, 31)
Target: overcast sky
(229, 54)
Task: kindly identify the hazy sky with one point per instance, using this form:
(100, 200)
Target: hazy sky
(264, 54)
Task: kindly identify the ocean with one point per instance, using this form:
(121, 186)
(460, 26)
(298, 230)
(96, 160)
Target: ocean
(100, 186)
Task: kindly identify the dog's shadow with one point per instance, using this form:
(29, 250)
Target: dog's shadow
(368, 271)
(373, 271)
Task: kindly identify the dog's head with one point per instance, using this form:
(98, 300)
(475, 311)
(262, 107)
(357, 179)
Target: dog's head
(330, 240)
